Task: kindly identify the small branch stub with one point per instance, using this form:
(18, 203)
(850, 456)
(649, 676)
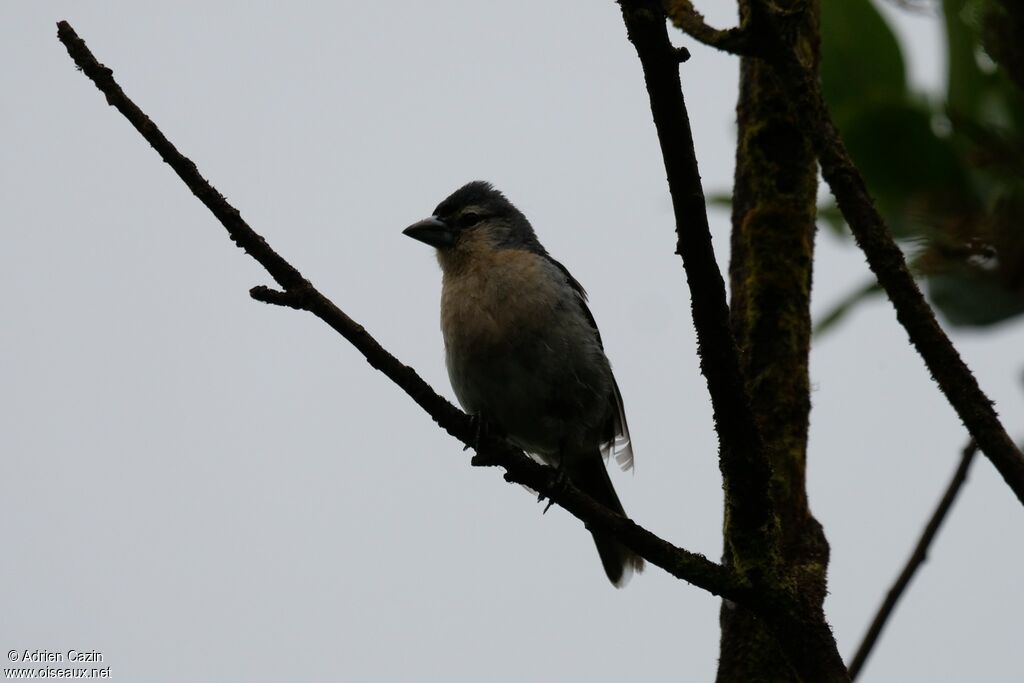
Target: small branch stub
(296, 299)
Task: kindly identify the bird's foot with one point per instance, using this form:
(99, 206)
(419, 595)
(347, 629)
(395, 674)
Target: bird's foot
(479, 429)
(555, 486)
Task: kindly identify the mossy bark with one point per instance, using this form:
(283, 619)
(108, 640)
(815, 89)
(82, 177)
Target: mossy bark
(770, 276)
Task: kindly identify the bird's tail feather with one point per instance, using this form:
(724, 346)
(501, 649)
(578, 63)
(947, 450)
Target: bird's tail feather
(590, 475)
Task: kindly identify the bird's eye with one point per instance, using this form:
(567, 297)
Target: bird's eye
(468, 220)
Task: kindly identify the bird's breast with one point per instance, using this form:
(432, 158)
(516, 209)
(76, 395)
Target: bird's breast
(502, 340)
(495, 301)
(520, 350)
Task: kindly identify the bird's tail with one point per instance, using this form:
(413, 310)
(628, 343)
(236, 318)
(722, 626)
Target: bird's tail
(590, 475)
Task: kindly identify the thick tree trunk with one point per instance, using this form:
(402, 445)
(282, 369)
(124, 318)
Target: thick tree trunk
(770, 276)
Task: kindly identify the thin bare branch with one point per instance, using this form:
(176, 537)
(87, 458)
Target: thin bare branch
(737, 41)
(299, 293)
(917, 558)
(744, 463)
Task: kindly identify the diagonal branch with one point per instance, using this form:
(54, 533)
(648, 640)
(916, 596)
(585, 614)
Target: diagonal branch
(917, 558)
(300, 294)
(888, 264)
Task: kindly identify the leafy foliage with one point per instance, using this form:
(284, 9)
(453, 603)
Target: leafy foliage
(948, 175)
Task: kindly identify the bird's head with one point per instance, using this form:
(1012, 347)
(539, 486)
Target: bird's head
(475, 217)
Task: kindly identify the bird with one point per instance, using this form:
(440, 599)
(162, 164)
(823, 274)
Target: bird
(523, 351)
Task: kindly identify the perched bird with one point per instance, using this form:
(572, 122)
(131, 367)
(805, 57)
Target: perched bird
(523, 350)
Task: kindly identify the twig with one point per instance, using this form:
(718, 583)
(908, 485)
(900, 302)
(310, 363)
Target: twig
(744, 463)
(737, 41)
(890, 267)
(917, 558)
(299, 293)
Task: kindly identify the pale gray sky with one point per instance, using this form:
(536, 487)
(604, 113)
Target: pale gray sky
(209, 489)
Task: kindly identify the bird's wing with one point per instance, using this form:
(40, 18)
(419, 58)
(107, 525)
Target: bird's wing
(618, 441)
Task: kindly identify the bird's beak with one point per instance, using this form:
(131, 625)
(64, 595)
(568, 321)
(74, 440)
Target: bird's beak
(432, 231)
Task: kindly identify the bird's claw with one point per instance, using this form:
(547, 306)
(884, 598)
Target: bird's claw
(478, 433)
(555, 486)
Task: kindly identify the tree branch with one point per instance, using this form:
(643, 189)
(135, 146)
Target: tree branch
(888, 264)
(745, 466)
(737, 41)
(917, 558)
(300, 294)
(802, 631)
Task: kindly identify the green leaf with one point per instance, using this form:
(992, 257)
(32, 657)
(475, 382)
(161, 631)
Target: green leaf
(915, 176)
(846, 304)
(966, 81)
(861, 60)
(985, 95)
(719, 200)
(1000, 27)
(831, 216)
(969, 300)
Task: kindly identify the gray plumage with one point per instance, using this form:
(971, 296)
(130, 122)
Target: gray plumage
(523, 350)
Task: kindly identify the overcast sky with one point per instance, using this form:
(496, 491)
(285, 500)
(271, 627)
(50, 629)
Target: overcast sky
(206, 488)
